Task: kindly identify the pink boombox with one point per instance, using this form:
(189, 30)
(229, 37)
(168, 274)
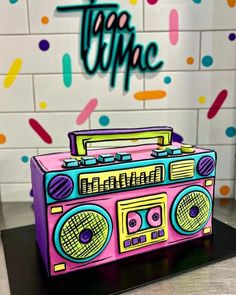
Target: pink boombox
(98, 206)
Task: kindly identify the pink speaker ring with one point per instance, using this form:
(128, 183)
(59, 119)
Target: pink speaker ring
(134, 222)
(154, 218)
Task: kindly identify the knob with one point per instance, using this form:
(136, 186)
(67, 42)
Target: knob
(187, 148)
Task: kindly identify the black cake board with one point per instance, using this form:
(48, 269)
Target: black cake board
(27, 276)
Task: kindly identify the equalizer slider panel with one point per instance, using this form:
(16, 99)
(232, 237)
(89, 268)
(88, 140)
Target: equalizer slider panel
(90, 183)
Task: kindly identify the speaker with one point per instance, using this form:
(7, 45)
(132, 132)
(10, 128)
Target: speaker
(191, 210)
(83, 233)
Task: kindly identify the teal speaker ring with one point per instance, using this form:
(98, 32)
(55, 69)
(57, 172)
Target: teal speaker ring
(83, 233)
(191, 210)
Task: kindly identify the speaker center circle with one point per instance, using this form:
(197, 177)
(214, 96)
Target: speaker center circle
(194, 210)
(85, 236)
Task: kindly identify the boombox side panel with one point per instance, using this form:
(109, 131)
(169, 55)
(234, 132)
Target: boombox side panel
(40, 210)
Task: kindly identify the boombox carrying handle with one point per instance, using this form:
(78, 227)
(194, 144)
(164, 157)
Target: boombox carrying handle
(79, 139)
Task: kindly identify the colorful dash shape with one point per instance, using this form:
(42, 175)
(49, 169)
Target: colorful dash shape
(12, 73)
(86, 112)
(67, 70)
(174, 27)
(150, 94)
(231, 3)
(42, 133)
(217, 104)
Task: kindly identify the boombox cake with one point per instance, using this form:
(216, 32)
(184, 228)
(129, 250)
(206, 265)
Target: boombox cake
(99, 205)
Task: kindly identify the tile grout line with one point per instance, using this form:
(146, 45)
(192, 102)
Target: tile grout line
(28, 17)
(137, 31)
(135, 73)
(34, 98)
(198, 113)
(45, 112)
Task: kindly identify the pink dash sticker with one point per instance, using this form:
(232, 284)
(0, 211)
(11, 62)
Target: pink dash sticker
(86, 112)
(42, 133)
(174, 27)
(217, 104)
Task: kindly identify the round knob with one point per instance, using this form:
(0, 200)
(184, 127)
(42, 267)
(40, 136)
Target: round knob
(205, 166)
(187, 148)
(60, 187)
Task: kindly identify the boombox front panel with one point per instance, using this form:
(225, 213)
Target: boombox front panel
(93, 231)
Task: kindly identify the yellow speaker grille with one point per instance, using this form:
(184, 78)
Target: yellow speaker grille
(193, 211)
(84, 234)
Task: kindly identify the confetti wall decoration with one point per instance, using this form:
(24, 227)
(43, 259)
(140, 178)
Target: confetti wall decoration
(44, 91)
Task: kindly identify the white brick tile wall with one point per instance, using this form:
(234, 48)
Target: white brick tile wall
(196, 69)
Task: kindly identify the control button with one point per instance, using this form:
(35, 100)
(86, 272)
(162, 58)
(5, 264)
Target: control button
(187, 148)
(135, 241)
(174, 151)
(123, 157)
(142, 239)
(161, 233)
(106, 158)
(70, 163)
(154, 235)
(159, 153)
(88, 160)
(127, 243)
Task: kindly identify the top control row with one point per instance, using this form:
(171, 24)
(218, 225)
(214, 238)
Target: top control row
(109, 158)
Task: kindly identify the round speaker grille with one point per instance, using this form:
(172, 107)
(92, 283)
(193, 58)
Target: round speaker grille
(206, 166)
(191, 210)
(83, 233)
(60, 187)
